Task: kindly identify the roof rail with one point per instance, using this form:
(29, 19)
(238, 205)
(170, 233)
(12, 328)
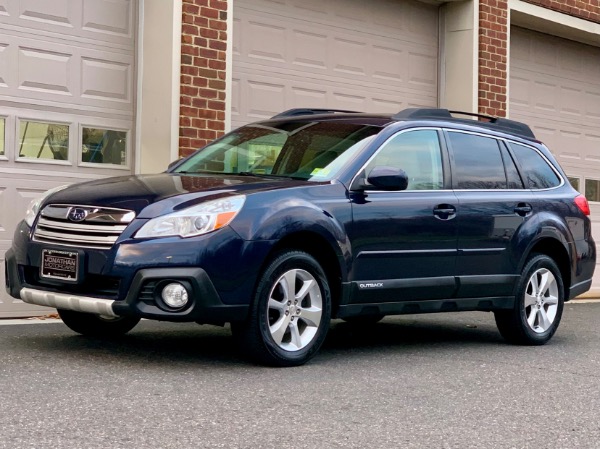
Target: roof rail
(497, 123)
(310, 111)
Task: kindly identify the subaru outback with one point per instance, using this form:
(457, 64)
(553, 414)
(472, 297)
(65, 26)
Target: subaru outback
(284, 224)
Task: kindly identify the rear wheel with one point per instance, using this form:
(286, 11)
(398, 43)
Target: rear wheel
(96, 325)
(289, 317)
(538, 305)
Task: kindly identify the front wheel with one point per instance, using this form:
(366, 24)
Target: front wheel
(289, 317)
(538, 305)
(96, 325)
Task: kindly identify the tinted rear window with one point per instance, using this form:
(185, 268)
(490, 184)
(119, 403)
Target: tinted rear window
(536, 172)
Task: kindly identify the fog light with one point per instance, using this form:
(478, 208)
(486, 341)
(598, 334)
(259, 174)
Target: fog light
(175, 295)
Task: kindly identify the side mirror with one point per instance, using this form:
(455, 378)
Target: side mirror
(388, 178)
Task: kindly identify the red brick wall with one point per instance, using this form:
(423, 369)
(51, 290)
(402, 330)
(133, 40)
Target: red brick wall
(493, 46)
(582, 9)
(203, 53)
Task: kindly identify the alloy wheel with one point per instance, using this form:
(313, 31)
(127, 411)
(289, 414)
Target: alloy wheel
(295, 308)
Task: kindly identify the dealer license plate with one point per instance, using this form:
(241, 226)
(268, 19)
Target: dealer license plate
(63, 265)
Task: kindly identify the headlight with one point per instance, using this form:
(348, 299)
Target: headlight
(34, 206)
(197, 220)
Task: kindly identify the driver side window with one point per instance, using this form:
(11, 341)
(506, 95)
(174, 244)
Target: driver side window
(418, 153)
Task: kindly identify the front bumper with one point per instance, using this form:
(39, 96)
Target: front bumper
(143, 298)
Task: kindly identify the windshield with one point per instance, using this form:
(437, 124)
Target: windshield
(299, 149)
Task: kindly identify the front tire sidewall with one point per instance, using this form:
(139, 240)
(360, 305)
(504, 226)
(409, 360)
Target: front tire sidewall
(285, 262)
(534, 264)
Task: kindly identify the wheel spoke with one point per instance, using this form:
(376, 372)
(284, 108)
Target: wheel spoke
(295, 333)
(306, 286)
(274, 304)
(551, 300)
(544, 322)
(545, 282)
(279, 327)
(312, 316)
(534, 284)
(531, 317)
(288, 282)
(529, 300)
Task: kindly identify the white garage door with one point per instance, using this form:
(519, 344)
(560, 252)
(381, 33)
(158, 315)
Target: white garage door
(555, 87)
(375, 56)
(66, 102)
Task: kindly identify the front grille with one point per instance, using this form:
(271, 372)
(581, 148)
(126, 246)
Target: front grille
(100, 228)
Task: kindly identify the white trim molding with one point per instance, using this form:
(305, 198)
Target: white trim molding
(553, 22)
(159, 84)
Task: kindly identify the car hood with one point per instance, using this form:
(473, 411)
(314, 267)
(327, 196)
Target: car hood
(152, 195)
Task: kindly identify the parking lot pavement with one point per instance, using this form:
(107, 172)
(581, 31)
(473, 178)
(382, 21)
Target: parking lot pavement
(435, 381)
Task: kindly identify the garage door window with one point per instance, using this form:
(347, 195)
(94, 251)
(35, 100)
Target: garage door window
(39, 140)
(592, 190)
(103, 146)
(2, 125)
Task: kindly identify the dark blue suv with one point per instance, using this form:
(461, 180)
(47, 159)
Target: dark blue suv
(284, 224)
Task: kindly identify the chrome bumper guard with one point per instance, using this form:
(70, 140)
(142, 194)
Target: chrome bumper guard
(69, 302)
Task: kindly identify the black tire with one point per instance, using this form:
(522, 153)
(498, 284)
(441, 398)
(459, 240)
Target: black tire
(364, 320)
(95, 325)
(514, 325)
(256, 336)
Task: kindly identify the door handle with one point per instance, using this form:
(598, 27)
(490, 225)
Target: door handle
(523, 209)
(444, 211)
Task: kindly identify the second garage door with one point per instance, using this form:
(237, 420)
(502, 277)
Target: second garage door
(376, 56)
(555, 88)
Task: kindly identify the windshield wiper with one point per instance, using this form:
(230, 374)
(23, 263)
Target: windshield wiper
(265, 175)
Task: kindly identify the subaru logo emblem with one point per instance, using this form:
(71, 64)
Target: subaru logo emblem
(77, 214)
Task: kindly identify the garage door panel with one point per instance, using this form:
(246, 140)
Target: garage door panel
(261, 97)
(309, 49)
(46, 70)
(592, 104)
(54, 12)
(108, 17)
(571, 100)
(315, 55)
(110, 21)
(106, 80)
(555, 88)
(5, 65)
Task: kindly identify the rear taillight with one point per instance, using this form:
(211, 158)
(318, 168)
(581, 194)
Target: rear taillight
(582, 204)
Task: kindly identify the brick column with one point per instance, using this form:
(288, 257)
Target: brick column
(203, 56)
(493, 47)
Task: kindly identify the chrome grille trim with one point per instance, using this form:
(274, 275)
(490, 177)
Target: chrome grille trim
(77, 227)
(96, 215)
(99, 230)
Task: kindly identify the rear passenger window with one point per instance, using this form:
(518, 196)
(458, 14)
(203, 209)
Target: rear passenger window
(477, 162)
(536, 171)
